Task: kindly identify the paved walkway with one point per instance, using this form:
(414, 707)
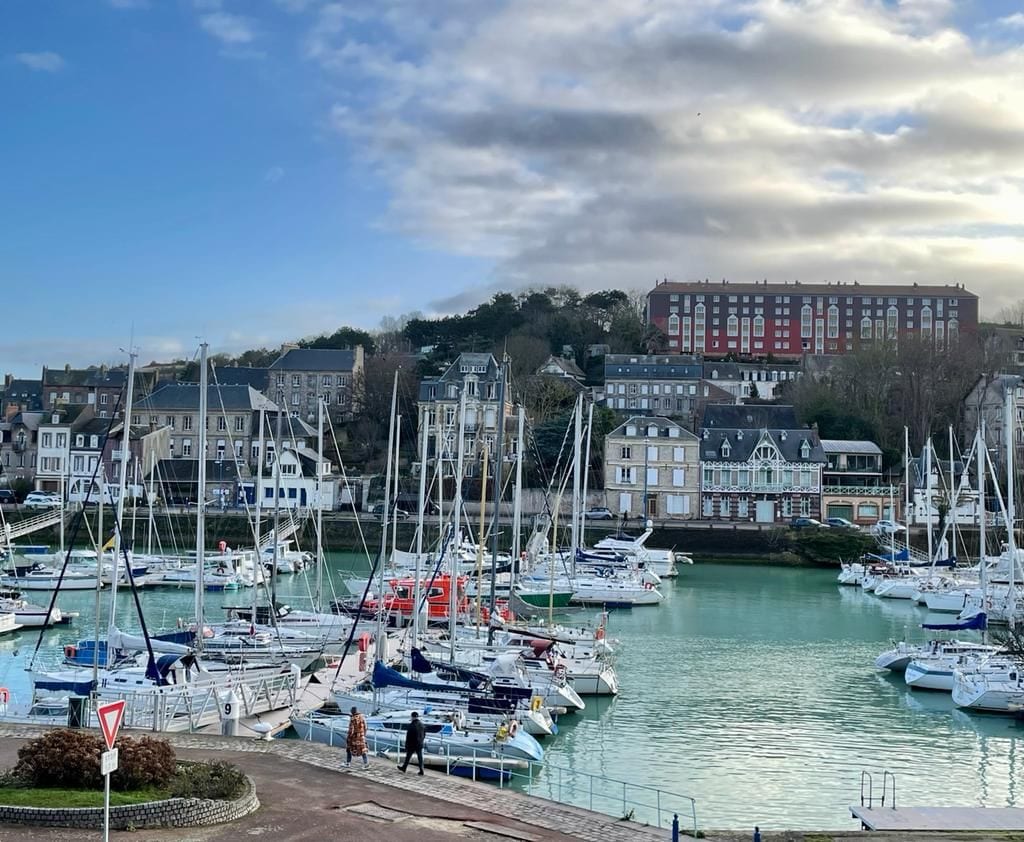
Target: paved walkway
(306, 795)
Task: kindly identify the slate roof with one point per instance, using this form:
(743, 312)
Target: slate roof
(112, 378)
(643, 422)
(185, 397)
(187, 470)
(567, 366)
(314, 359)
(658, 366)
(847, 289)
(23, 391)
(750, 417)
(239, 375)
(868, 448)
(743, 442)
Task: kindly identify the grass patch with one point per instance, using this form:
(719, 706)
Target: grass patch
(53, 797)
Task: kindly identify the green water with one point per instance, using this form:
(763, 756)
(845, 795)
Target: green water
(750, 689)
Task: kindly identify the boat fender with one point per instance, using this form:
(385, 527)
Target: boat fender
(502, 733)
(535, 703)
(599, 634)
(513, 728)
(70, 651)
(364, 642)
(648, 586)
(222, 545)
(5, 695)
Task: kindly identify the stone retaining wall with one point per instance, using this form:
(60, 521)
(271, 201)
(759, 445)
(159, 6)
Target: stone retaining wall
(172, 812)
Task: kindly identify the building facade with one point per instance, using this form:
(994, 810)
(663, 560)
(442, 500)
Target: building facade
(98, 386)
(659, 384)
(791, 319)
(301, 377)
(480, 377)
(986, 402)
(232, 423)
(758, 472)
(19, 445)
(852, 483)
(651, 469)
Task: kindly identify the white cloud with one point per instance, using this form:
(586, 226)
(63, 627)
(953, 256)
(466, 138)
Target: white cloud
(231, 29)
(612, 143)
(1014, 21)
(47, 62)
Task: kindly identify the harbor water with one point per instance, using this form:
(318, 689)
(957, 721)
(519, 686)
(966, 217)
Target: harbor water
(751, 689)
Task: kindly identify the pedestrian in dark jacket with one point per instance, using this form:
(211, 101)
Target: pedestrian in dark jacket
(414, 734)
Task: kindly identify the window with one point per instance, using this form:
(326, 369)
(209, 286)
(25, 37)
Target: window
(61, 439)
(723, 507)
(79, 440)
(698, 327)
(678, 477)
(186, 423)
(726, 449)
(652, 453)
(94, 441)
(625, 452)
(833, 322)
(741, 507)
(239, 423)
(327, 380)
(104, 399)
(805, 507)
(169, 421)
(296, 381)
(865, 328)
(677, 504)
(625, 476)
(222, 424)
(326, 398)
(732, 326)
(708, 507)
(892, 318)
(687, 341)
(758, 325)
(238, 450)
(954, 330)
(47, 440)
(805, 451)
(186, 447)
(652, 476)
(939, 333)
(673, 324)
(806, 315)
(678, 454)
(295, 398)
(926, 321)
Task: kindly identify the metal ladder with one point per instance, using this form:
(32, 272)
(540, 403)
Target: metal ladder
(867, 792)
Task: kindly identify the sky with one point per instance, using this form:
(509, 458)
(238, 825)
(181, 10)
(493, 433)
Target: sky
(253, 171)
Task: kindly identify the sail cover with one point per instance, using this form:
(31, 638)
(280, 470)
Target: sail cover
(978, 623)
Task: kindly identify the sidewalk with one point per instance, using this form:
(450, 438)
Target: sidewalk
(305, 795)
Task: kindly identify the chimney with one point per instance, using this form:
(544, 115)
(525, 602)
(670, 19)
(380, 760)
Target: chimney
(8, 379)
(357, 359)
(67, 368)
(288, 346)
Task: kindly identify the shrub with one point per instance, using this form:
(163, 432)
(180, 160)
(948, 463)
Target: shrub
(143, 762)
(218, 780)
(71, 760)
(65, 758)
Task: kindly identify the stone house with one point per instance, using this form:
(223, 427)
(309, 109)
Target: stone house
(300, 377)
(652, 469)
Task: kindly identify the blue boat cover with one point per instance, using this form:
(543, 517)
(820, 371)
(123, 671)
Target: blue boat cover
(978, 623)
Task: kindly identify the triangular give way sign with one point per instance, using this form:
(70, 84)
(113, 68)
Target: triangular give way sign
(110, 716)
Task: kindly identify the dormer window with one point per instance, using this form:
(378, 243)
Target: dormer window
(726, 449)
(79, 440)
(652, 431)
(705, 433)
(805, 450)
(631, 430)
(94, 441)
(739, 435)
(783, 435)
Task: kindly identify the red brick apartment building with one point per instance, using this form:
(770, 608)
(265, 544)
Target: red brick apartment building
(791, 319)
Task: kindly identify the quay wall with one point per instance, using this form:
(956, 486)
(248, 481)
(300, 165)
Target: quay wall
(704, 540)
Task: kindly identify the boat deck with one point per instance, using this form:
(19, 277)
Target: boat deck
(940, 818)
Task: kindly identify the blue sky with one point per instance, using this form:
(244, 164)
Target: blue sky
(251, 171)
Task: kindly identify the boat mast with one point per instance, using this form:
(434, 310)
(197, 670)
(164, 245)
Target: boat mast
(1008, 430)
(576, 485)
(278, 445)
(980, 456)
(953, 496)
(422, 502)
(906, 484)
(517, 500)
(499, 463)
(201, 498)
(152, 476)
(586, 476)
(257, 570)
(381, 643)
(122, 477)
(480, 541)
(453, 562)
(319, 505)
(394, 497)
(99, 575)
(928, 494)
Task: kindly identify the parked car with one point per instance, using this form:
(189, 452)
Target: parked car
(806, 523)
(8, 497)
(398, 514)
(598, 513)
(840, 523)
(887, 527)
(42, 500)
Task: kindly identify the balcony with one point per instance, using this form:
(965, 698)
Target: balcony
(863, 490)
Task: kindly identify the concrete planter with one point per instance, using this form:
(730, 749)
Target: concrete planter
(171, 812)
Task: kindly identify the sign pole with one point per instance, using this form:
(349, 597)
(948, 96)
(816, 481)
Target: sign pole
(110, 716)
